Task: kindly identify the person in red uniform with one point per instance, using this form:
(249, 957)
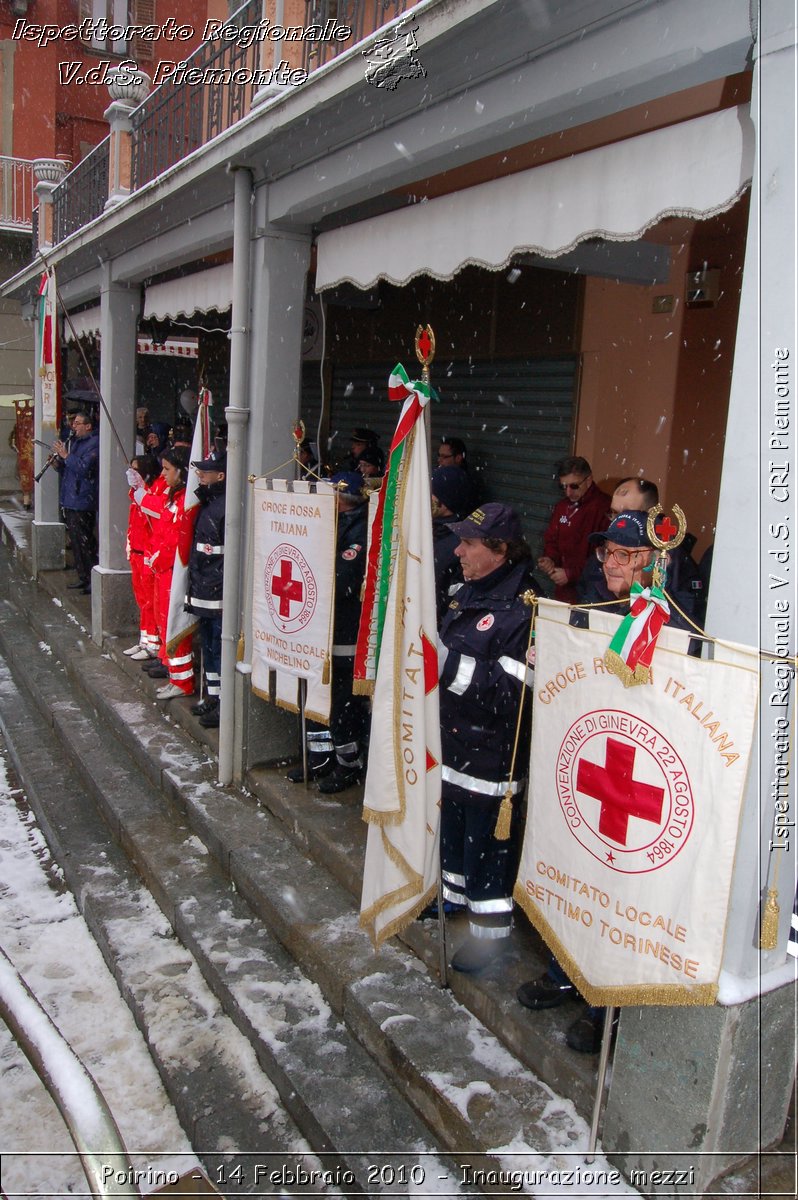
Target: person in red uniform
(583, 510)
(144, 470)
(171, 525)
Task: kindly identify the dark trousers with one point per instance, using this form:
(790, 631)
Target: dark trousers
(80, 527)
(477, 870)
(210, 631)
(349, 714)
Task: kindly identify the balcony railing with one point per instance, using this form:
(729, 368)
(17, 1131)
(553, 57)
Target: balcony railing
(208, 94)
(16, 194)
(361, 16)
(81, 195)
(181, 116)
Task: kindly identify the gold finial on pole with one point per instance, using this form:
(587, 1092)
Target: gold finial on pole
(425, 349)
(668, 537)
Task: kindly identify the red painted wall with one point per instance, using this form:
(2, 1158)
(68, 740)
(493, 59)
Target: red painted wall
(53, 118)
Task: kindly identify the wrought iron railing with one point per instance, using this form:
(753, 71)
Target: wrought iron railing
(81, 195)
(361, 16)
(16, 193)
(207, 96)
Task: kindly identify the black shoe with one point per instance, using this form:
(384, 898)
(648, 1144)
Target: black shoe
(342, 776)
(544, 993)
(211, 719)
(203, 707)
(584, 1034)
(430, 913)
(159, 671)
(318, 768)
(476, 954)
(73, 587)
(86, 591)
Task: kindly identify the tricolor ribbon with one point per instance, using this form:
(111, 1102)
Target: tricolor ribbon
(630, 652)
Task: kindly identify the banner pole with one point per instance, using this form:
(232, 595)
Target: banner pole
(303, 728)
(606, 1042)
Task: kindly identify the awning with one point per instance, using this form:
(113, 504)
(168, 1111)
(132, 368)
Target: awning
(198, 293)
(171, 348)
(696, 169)
(84, 323)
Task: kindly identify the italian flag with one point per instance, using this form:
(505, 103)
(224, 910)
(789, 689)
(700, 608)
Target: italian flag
(403, 783)
(48, 358)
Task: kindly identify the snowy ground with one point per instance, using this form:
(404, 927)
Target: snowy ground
(51, 947)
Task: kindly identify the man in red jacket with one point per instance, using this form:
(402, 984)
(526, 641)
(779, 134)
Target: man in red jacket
(583, 510)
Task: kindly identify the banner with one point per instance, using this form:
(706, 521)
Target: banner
(49, 363)
(403, 783)
(293, 592)
(179, 622)
(635, 801)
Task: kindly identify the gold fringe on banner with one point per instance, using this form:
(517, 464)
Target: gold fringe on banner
(616, 666)
(326, 671)
(769, 932)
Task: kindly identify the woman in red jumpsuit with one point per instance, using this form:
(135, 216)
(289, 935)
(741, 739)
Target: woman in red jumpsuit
(171, 526)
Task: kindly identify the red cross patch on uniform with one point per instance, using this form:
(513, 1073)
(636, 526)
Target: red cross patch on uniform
(351, 552)
(485, 622)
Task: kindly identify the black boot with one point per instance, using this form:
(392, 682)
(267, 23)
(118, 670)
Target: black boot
(319, 766)
(344, 775)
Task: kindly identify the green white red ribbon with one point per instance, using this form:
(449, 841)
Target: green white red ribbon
(630, 652)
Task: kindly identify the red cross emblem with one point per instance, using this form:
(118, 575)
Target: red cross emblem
(620, 796)
(666, 529)
(286, 588)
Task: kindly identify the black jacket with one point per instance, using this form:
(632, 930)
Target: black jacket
(485, 632)
(350, 567)
(448, 571)
(206, 562)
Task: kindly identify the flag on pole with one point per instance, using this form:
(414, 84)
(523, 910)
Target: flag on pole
(383, 541)
(48, 357)
(180, 623)
(403, 782)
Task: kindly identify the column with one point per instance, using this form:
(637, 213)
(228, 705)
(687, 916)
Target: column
(698, 1090)
(279, 268)
(47, 535)
(113, 608)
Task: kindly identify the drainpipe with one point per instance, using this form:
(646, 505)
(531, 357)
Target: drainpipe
(237, 414)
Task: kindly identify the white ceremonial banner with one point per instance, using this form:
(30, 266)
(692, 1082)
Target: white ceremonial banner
(293, 594)
(401, 801)
(635, 797)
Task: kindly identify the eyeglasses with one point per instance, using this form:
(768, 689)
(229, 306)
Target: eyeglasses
(572, 487)
(442, 456)
(621, 556)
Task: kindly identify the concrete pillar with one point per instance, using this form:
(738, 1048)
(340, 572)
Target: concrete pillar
(113, 608)
(280, 264)
(702, 1089)
(48, 172)
(127, 89)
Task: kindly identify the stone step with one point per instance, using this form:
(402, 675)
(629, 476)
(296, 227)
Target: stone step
(327, 1082)
(221, 1097)
(469, 1087)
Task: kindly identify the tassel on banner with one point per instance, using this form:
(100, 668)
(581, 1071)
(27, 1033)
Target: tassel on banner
(240, 649)
(502, 831)
(326, 671)
(769, 931)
